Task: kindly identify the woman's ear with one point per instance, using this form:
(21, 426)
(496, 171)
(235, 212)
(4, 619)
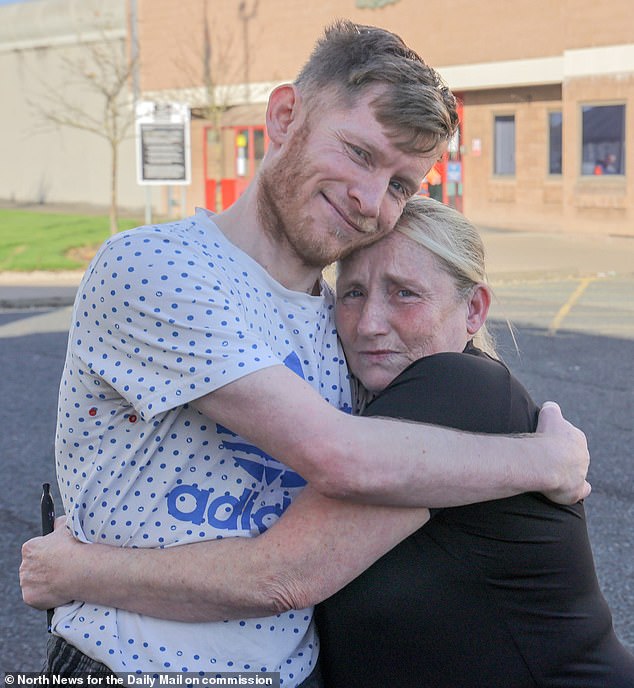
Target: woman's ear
(281, 112)
(478, 307)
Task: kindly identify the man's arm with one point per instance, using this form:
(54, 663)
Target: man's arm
(315, 548)
(390, 462)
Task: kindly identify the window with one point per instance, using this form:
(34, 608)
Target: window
(504, 143)
(250, 144)
(603, 139)
(258, 147)
(242, 152)
(554, 143)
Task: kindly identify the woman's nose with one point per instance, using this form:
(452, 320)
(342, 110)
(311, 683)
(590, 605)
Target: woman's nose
(373, 319)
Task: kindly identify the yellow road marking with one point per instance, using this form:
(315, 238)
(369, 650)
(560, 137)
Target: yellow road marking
(566, 308)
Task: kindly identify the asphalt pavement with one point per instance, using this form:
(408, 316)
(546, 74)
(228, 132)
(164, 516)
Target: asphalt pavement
(570, 300)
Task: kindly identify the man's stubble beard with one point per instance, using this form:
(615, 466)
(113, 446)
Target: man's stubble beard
(280, 212)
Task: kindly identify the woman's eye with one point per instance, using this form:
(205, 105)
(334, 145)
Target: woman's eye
(352, 294)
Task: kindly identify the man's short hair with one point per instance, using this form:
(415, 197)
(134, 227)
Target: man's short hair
(415, 105)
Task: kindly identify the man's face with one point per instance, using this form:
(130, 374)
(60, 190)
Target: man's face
(340, 183)
(395, 305)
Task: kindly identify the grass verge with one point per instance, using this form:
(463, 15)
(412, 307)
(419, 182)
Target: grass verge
(32, 241)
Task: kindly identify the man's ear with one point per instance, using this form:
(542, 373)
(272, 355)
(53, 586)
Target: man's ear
(282, 110)
(478, 307)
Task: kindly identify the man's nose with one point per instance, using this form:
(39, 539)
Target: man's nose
(369, 192)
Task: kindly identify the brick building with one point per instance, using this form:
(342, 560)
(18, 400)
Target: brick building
(547, 92)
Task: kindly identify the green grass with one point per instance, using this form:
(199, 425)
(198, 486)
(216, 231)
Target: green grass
(50, 241)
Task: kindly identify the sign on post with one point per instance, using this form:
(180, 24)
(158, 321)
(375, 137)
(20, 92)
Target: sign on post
(163, 143)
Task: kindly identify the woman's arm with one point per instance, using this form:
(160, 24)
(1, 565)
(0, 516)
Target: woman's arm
(317, 546)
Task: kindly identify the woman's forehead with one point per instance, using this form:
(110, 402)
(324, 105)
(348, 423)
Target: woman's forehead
(393, 247)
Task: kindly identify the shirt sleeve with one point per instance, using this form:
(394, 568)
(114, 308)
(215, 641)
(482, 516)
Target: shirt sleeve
(162, 323)
(459, 390)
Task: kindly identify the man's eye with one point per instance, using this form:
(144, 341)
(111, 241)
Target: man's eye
(399, 188)
(405, 293)
(359, 152)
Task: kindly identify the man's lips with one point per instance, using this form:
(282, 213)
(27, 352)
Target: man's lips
(363, 226)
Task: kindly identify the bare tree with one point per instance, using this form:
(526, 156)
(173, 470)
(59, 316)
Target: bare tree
(245, 17)
(97, 71)
(211, 78)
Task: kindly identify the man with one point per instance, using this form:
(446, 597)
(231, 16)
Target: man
(198, 347)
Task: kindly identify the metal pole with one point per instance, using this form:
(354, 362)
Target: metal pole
(134, 51)
(136, 89)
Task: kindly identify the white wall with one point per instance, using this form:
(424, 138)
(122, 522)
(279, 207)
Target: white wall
(40, 162)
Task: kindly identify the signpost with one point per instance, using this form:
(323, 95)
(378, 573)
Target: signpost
(163, 144)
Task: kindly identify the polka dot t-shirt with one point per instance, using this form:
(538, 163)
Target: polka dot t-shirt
(166, 314)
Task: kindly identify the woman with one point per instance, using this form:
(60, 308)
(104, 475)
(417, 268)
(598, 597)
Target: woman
(501, 593)
(496, 594)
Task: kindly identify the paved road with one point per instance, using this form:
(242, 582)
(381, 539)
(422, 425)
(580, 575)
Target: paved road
(575, 334)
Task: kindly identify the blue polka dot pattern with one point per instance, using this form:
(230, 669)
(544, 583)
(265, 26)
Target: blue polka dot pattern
(166, 314)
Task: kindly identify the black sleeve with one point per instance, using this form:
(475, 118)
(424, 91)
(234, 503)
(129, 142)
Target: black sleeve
(467, 391)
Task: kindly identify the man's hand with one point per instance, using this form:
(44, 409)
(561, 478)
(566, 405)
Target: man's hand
(45, 563)
(569, 451)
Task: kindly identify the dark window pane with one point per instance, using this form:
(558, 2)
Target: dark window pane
(603, 139)
(504, 158)
(554, 143)
(258, 147)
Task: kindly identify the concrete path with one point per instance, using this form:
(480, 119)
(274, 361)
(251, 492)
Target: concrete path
(511, 257)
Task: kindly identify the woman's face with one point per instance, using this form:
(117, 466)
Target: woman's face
(394, 306)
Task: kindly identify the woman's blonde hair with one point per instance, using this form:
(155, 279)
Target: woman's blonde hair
(455, 243)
